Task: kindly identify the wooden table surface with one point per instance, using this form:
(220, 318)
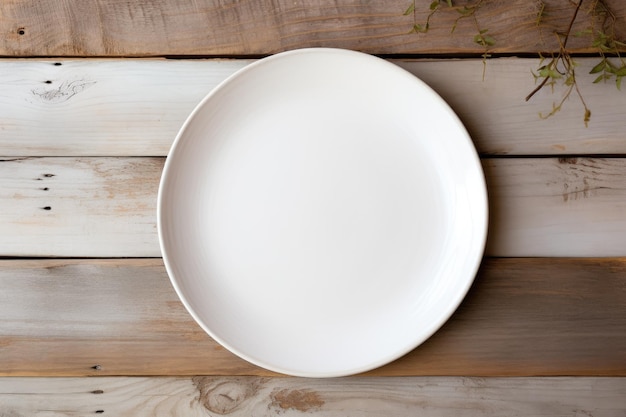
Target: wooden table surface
(91, 97)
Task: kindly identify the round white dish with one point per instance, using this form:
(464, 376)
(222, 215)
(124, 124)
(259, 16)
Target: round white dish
(322, 212)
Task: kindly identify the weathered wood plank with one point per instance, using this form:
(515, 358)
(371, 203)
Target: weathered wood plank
(523, 317)
(106, 207)
(79, 206)
(101, 107)
(556, 207)
(209, 27)
(501, 122)
(246, 396)
(135, 107)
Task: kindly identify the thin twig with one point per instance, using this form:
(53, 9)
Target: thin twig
(582, 100)
(561, 52)
(571, 23)
(539, 87)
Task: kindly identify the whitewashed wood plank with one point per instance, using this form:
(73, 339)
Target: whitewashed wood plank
(111, 317)
(557, 207)
(100, 107)
(501, 122)
(106, 206)
(79, 206)
(254, 396)
(95, 107)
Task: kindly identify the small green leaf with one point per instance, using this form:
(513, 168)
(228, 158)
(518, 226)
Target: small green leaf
(490, 41)
(449, 3)
(434, 5)
(466, 11)
(599, 67)
(417, 28)
(549, 73)
(540, 14)
(621, 72)
(410, 10)
(587, 117)
(599, 78)
(618, 83)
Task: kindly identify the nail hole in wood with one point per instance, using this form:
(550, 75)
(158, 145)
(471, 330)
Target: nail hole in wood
(57, 64)
(44, 189)
(99, 411)
(48, 82)
(96, 367)
(48, 175)
(98, 391)
(21, 31)
(47, 208)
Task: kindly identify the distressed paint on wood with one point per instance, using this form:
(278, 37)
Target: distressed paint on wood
(136, 107)
(353, 397)
(101, 107)
(68, 117)
(522, 317)
(557, 207)
(79, 206)
(106, 207)
(208, 27)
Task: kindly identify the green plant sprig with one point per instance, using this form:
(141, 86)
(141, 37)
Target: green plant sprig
(605, 42)
(433, 8)
(559, 68)
(467, 11)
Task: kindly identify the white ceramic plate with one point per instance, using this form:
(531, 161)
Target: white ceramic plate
(322, 212)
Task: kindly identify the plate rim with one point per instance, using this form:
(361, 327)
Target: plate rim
(435, 325)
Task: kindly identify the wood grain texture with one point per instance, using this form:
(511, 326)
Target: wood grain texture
(94, 317)
(523, 317)
(101, 107)
(350, 397)
(209, 27)
(556, 207)
(136, 107)
(106, 207)
(79, 206)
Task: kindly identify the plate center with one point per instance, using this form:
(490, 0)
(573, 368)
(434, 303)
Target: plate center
(333, 210)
